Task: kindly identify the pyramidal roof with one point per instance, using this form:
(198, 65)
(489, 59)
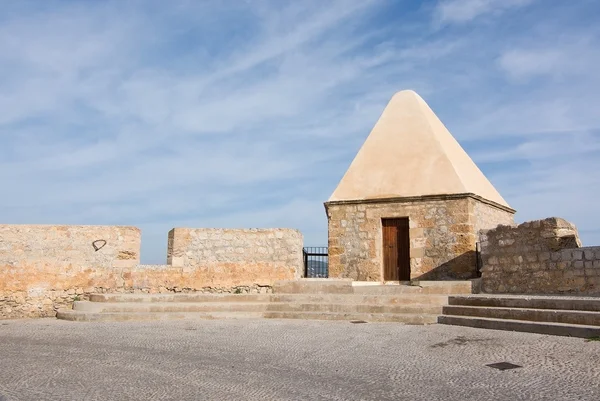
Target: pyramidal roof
(410, 153)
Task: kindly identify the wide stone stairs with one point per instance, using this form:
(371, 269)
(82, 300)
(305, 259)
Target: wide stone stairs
(322, 299)
(554, 315)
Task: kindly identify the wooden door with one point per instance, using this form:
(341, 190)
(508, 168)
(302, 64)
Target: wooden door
(396, 249)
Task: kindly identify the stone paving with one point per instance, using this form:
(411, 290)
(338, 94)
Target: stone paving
(48, 359)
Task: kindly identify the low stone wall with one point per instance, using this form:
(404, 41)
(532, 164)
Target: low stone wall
(223, 258)
(44, 268)
(539, 257)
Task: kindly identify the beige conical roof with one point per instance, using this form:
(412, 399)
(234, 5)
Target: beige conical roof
(410, 153)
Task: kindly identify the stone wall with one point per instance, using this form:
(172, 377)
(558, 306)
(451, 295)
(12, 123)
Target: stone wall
(443, 235)
(539, 257)
(227, 257)
(46, 267)
(43, 268)
(487, 216)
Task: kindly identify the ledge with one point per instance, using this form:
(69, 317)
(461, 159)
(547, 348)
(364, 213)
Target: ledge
(410, 199)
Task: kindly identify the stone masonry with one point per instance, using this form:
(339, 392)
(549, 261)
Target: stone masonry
(539, 257)
(486, 216)
(44, 268)
(443, 235)
(227, 258)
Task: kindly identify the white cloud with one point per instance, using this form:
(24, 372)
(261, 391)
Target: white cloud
(545, 147)
(522, 63)
(564, 58)
(461, 11)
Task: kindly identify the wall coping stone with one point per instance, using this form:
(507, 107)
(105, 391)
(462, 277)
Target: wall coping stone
(407, 199)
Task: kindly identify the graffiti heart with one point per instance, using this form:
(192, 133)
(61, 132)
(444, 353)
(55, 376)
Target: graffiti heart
(98, 244)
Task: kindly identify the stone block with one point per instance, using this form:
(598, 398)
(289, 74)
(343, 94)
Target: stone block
(417, 252)
(420, 242)
(416, 232)
(123, 263)
(531, 257)
(594, 280)
(535, 266)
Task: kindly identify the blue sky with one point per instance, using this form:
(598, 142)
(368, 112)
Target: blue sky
(247, 113)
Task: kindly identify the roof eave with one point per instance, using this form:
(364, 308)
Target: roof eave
(408, 199)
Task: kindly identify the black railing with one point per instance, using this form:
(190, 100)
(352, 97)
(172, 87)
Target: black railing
(478, 258)
(316, 262)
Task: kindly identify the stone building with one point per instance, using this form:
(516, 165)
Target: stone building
(412, 202)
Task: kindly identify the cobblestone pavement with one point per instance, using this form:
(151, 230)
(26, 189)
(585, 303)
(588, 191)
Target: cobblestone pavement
(48, 359)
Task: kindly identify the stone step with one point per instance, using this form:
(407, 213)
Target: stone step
(531, 302)
(352, 298)
(148, 307)
(422, 287)
(313, 286)
(155, 307)
(180, 297)
(405, 318)
(354, 308)
(85, 316)
(402, 299)
(555, 329)
(534, 315)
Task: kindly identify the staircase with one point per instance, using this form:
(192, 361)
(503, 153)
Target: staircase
(411, 303)
(322, 299)
(426, 302)
(140, 307)
(559, 315)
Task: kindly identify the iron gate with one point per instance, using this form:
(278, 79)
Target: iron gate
(316, 262)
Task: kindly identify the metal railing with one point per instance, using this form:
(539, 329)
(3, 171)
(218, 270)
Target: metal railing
(478, 261)
(316, 262)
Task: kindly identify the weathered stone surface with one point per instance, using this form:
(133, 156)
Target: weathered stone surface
(44, 268)
(443, 236)
(538, 257)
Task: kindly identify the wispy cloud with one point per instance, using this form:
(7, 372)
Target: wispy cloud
(565, 57)
(461, 11)
(246, 114)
